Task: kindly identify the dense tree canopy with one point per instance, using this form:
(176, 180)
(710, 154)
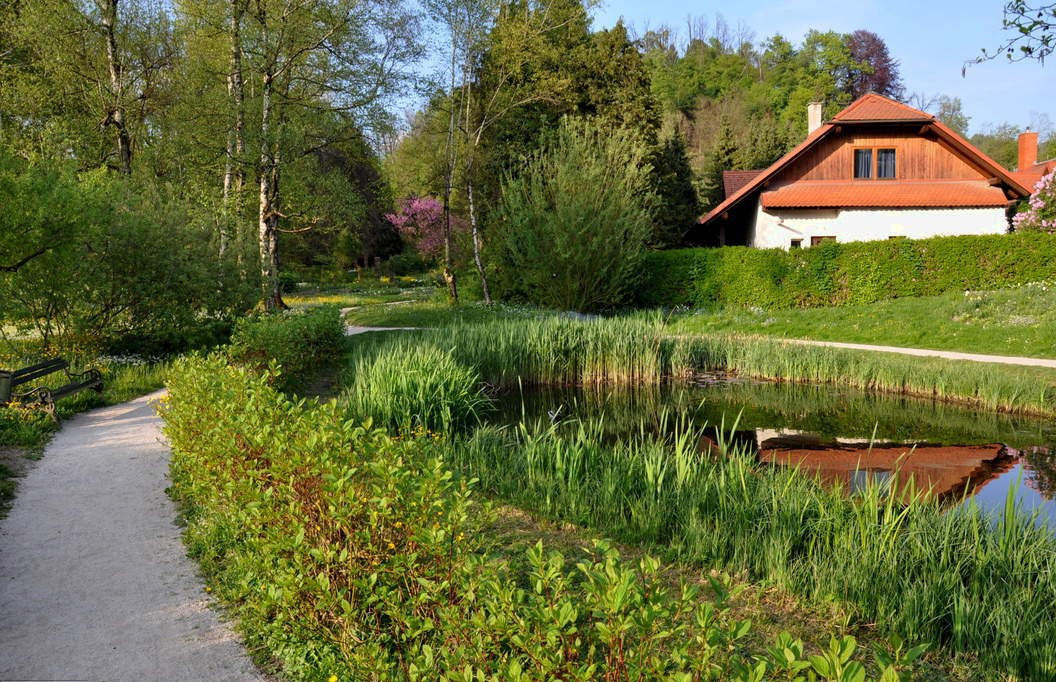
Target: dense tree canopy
(264, 115)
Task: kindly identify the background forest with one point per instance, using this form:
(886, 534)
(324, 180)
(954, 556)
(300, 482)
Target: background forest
(166, 166)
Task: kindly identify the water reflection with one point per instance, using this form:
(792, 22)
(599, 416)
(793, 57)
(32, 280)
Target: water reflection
(847, 438)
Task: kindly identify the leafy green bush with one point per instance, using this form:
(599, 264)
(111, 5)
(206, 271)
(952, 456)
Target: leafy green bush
(407, 262)
(572, 225)
(345, 552)
(836, 274)
(415, 384)
(86, 260)
(298, 341)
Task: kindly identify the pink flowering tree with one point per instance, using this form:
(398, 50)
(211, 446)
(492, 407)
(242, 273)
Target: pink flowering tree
(420, 221)
(1040, 213)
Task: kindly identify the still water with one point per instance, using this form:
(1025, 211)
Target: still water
(846, 437)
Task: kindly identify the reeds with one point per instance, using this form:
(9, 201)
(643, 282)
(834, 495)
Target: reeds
(637, 351)
(976, 584)
(995, 387)
(406, 384)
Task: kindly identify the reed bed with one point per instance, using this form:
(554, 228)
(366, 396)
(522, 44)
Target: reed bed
(549, 350)
(976, 584)
(637, 350)
(995, 387)
(407, 385)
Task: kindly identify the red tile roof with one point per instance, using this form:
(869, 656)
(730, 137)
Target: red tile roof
(872, 107)
(884, 194)
(734, 180)
(758, 180)
(1030, 176)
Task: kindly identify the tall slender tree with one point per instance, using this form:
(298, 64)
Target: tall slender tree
(317, 63)
(234, 168)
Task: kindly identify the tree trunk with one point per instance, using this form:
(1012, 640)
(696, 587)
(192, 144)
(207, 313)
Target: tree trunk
(268, 216)
(234, 171)
(449, 179)
(476, 242)
(115, 117)
(467, 95)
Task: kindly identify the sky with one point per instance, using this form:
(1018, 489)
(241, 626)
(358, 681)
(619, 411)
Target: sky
(930, 40)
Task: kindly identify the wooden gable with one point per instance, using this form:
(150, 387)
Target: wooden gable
(920, 155)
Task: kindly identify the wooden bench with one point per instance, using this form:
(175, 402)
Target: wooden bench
(44, 396)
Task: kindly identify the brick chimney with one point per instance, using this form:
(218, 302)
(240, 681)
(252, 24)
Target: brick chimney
(1028, 150)
(813, 116)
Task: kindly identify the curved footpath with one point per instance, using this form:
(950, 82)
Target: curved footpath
(95, 583)
(924, 352)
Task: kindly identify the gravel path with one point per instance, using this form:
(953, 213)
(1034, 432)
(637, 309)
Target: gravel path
(94, 581)
(923, 352)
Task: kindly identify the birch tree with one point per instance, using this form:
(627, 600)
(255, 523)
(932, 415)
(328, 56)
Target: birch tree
(234, 168)
(315, 62)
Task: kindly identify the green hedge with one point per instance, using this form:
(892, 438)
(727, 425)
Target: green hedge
(840, 274)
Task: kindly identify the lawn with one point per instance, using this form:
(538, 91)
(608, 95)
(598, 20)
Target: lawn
(369, 292)
(1016, 321)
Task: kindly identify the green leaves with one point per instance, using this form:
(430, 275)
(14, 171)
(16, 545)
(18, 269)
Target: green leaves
(573, 222)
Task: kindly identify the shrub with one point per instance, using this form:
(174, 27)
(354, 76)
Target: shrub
(298, 342)
(572, 224)
(405, 263)
(837, 274)
(88, 259)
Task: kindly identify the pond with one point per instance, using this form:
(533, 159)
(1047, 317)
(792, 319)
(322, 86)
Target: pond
(846, 437)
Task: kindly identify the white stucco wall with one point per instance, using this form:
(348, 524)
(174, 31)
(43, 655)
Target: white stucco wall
(778, 227)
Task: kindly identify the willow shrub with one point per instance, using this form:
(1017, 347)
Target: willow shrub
(93, 260)
(573, 222)
(343, 551)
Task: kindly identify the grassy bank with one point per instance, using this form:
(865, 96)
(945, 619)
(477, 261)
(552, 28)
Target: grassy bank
(639, 350)
(1016, 321)
(912, 570)
(345, 551)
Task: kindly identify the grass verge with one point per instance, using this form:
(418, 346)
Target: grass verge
(1016, 321)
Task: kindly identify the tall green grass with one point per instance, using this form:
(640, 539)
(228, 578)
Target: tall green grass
(552, 350)
(406, 385)
(638, 351)
(995, 387)
(975, 584)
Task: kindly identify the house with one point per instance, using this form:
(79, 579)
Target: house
(878, 170)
